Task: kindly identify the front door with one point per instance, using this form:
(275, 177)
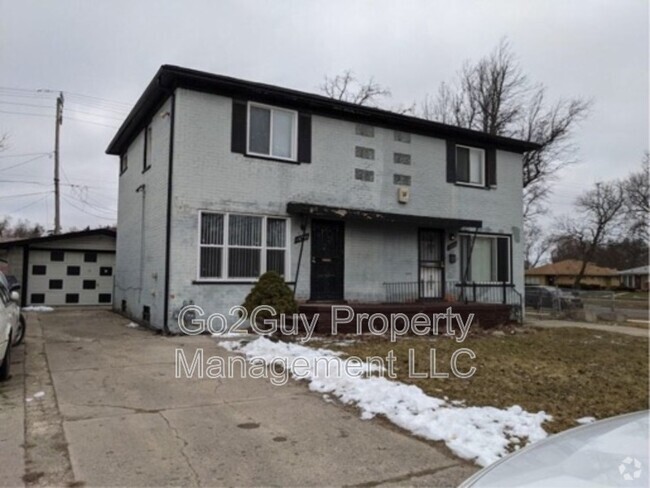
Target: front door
(327, 260)
(431, 283)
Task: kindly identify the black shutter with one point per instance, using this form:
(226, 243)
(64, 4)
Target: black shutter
(451, 161)
(503, 259)
(238, 130)
(491, 167)
(304, 138)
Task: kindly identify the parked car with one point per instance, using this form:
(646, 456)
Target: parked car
(538, 296)
(610, 452)
(9, 324)
(19, 335)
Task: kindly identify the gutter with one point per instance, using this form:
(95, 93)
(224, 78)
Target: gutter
(170, 172)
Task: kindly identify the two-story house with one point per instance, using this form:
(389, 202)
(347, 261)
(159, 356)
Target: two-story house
(223, 179)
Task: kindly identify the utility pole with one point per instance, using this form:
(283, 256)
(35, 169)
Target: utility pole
(57, 191)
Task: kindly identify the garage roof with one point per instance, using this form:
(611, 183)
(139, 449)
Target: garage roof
(58, 237)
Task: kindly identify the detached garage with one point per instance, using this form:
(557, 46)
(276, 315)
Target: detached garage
(66, 269)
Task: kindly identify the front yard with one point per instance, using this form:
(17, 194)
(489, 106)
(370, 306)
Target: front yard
(568, 373)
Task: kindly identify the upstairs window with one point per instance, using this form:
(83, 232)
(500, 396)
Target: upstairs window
(124, 163)
(470, 165)
(272, 132)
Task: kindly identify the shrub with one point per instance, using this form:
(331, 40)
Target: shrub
(271, 290)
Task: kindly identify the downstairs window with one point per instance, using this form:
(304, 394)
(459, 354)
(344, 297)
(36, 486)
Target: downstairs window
(241, 247)
(489, 258)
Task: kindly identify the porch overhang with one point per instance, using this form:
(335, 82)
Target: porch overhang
(353, 214)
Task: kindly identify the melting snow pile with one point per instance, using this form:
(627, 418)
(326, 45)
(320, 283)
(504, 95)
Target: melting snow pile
(482, 434)
(39, 308)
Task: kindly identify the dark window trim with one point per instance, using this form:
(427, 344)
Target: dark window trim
(69, 300)
(124, 163)
(56, 251)
(39, 267)
(55, 282)
(92, 255)
(146, 167)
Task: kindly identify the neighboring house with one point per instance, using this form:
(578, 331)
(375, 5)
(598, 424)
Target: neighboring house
(223, 179)
(66, 269)
(635, 278)
(563, 273)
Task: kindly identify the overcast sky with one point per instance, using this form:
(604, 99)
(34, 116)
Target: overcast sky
(102, 54)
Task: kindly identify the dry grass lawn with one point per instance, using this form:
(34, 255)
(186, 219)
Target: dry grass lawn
(569, 373)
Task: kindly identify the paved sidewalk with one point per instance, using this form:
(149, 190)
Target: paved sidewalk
(117, 416)
(617, 329)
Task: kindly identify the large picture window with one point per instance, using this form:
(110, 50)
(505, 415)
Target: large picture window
(470, 165)
(241, 247)
(272, 132)
(487, 260)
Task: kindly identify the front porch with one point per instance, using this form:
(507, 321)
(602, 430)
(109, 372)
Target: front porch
(486, 315)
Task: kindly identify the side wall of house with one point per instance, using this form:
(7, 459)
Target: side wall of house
(208, 176)
(140, 266)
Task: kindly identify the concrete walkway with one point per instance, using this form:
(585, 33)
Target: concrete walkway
(617, 329)
(113, 413)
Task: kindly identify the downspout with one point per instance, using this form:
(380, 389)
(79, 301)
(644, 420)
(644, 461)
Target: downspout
(170, 171)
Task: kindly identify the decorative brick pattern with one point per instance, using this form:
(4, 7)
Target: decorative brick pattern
(364, 152)
(401, 158)
(364, 175)
(364, 130)
(402, 180)
(402, 136)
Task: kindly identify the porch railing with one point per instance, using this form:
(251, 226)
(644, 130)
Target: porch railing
(455, 291)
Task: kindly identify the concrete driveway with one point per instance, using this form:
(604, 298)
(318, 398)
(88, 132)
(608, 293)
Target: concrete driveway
(102, 407)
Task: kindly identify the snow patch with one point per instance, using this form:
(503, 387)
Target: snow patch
(585, 420)
(132, 325)
(37, 308)
(481, 434)
(39, 394)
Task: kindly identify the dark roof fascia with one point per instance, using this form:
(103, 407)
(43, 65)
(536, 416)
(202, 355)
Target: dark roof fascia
(58, 237)
(340, 213)
(168, 78)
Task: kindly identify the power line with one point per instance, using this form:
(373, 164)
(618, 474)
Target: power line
(24, 104)
(24, 113)
(73, 205)
(22, 155)
(21, 195)
(29, 204)
(24, 162)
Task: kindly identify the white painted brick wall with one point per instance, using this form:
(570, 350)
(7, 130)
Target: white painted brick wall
(140, 266)
(207, 175)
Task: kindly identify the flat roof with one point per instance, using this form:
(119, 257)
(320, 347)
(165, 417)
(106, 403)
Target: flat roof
(58, 237)
(168, 78)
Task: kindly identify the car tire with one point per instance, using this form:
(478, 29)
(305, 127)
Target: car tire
(20, 333)
(5, 368)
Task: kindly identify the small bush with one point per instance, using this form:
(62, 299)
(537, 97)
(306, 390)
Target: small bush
(271, 290)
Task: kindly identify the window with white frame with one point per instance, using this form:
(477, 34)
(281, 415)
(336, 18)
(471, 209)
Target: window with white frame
(486, 259)
(470, 165)
(235, 246)
(272, 131)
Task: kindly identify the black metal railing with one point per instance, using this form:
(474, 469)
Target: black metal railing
(455, 291)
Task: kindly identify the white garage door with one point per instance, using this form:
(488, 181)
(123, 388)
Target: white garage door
(70, 278)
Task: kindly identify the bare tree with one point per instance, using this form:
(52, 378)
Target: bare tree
(21, 230)
(597, 212)
(537, 245)
(637, 200)
(493, 95)
(346, 87)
